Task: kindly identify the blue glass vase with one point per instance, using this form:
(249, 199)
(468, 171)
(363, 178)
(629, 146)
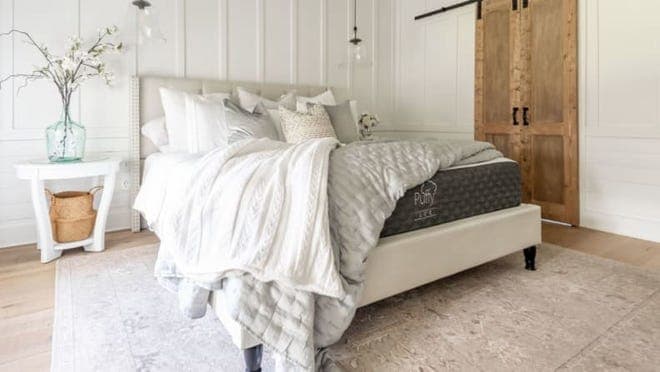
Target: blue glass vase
(65, 140)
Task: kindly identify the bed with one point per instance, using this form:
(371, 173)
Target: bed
(482, 218)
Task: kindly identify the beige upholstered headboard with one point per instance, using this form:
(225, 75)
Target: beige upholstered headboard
(145, 105)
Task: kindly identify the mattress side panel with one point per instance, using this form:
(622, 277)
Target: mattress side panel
(454, 194)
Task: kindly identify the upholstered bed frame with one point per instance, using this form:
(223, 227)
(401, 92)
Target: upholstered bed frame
(400, 262)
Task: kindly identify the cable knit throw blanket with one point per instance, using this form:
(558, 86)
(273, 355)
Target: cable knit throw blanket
(286, 231)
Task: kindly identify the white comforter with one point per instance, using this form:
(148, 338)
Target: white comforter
(258, 206)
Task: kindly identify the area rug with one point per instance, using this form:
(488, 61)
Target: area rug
(576, 312)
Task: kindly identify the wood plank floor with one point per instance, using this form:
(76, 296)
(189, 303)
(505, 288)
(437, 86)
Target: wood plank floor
(632, 251)
(27, 286)
(27, 289)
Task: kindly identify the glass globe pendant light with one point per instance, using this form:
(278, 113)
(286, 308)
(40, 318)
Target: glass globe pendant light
(147, 23)
(356, 49)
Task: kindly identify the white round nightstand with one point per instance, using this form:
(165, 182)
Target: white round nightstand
(38, 171)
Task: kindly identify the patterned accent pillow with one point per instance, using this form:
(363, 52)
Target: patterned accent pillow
(302, 126)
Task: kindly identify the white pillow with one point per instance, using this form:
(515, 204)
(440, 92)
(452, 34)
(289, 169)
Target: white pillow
(174, 106)
(205, 118)
(156, 132)
(248, 100)
(181, 135)
(325, 98)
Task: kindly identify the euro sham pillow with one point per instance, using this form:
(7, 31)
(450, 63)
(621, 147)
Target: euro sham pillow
(343, 119)
(325, 98)
(302, 126)
(243, 124)
(156, 132)
(248, 100)
(181, 132)
(205, 118)
(174, 106)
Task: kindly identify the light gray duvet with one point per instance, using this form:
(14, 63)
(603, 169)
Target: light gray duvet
(365, 180)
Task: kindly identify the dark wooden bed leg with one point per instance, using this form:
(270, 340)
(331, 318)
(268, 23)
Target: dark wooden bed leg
(530, 258)
(252, 357)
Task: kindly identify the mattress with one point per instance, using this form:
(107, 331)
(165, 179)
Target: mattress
(456, 193)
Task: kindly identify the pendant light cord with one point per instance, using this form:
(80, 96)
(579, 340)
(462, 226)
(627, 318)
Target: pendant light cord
(355, 40)
(355, 18)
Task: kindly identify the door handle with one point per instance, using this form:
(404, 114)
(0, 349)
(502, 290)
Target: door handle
(525, 116)
(514, 114)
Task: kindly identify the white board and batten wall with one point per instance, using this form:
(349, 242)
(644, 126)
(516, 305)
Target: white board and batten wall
(619, 86)
(418, 77)
(281, 41)
(432, 79)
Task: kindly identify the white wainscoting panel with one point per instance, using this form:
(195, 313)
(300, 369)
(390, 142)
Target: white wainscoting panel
(309, 38)
(243, 40)
(278, 43)
(337, 15)
(620, 117)
(384, 57)
(202, 29)
(432, 66)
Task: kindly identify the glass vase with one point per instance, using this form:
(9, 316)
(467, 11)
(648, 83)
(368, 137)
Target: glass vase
(65, 140)
(366, 134)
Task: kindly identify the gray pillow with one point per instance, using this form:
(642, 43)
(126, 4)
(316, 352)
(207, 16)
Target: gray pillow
(242, 124)
(343, 122)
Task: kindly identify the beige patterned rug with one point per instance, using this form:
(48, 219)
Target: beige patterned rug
(577, 312)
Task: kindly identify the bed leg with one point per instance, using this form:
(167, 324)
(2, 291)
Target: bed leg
(252, 357)
(530, 258)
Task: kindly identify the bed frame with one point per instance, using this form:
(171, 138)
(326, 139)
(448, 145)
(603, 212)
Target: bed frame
(400, 262)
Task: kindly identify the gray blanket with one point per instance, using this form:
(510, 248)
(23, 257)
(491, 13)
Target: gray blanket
(365, 181)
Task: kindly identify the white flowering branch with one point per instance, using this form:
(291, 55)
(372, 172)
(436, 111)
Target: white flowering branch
(68, 71)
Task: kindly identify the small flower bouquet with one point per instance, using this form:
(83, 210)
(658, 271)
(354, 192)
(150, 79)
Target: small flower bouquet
(366, 124)
(66, 138)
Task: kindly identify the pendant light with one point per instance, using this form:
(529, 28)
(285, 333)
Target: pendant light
(147, 23)
(356, 51)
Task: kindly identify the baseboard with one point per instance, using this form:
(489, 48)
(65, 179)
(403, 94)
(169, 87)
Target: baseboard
(621, 225)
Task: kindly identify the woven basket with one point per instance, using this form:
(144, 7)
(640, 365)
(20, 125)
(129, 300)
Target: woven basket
(72, 214)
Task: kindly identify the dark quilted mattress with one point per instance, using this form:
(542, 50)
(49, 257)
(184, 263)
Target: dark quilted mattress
(453, 194)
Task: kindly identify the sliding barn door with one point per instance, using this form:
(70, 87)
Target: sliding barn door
(526, 96)
(497, 81)
(549, 158)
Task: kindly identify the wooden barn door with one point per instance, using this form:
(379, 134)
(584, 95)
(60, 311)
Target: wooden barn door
(549, 103)
(497, 80)
(526, 96)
